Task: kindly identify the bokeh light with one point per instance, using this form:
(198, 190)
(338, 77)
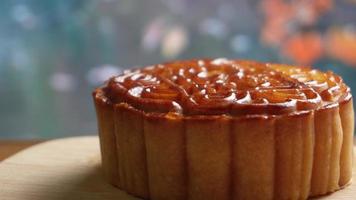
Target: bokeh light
(54, 53)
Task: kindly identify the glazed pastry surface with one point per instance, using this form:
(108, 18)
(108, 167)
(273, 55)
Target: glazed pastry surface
(221, 86)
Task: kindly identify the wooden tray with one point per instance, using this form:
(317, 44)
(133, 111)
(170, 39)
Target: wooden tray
(70, 169)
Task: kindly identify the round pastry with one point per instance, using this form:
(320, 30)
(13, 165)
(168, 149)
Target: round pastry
(226, 129)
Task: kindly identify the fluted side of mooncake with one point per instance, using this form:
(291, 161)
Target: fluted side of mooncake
(223, 157)
(106, 126)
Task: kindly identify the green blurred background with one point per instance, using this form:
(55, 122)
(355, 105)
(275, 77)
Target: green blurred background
(53, 53)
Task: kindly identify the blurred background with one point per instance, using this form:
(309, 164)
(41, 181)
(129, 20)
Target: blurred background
(54, 53)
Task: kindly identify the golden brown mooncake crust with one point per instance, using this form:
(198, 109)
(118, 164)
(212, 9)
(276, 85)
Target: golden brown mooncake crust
(226, 129)
(231, 87)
